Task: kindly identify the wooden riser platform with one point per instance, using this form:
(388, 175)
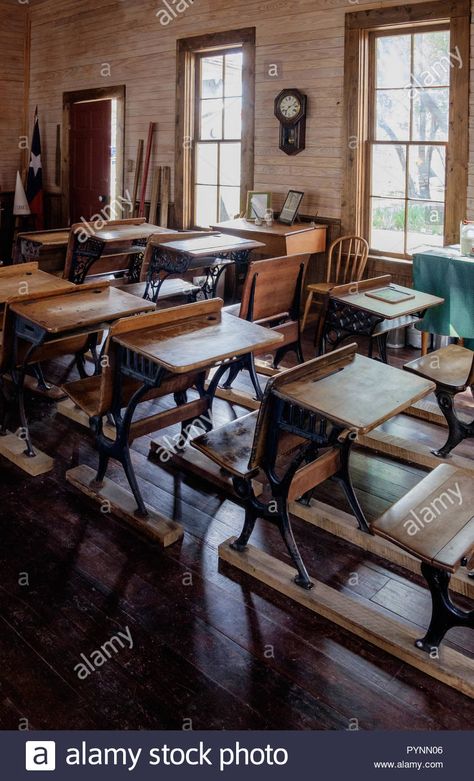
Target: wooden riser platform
(12, 447)
(427, 410)
(119, 502)
(344, 526)
(410, 450)
(392, 636)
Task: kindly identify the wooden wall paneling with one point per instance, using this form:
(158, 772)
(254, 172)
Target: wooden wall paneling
(305, 40)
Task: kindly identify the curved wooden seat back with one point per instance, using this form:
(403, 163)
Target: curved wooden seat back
(310, 371)
(272, 287)
(347, 259)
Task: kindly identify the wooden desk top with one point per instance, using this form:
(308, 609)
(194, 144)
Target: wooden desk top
(127, 232)
(56, 238)
(199, 343)
(277, 229)
(361, 396)
(83, 307)
(391, 311)
(207, 245)
(23, 279)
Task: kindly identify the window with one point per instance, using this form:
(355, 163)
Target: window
(409, 133)
(215, 99)
(406, 98)
(218, 135)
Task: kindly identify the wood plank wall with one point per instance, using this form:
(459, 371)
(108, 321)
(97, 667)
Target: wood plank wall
(73, 44)
(13, 18)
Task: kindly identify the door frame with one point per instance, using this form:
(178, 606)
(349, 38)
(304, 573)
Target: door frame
(79, 96)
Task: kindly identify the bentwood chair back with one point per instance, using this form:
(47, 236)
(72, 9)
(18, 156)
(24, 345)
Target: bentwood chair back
(347, 261)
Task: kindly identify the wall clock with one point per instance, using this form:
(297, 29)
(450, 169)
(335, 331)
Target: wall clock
(290, 110)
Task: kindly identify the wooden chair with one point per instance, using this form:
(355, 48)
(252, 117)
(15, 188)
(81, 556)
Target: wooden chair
(452, 369)
(116, 395)
(346, 262)
(445, 545)
(294, 448)
(271, 297)
(115, 262)
(158, 284)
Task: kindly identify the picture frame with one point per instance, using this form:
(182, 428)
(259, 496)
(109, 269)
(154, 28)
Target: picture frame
(291, 207)
(258, 202)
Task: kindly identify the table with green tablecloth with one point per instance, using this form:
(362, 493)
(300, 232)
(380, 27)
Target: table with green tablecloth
(445, 272)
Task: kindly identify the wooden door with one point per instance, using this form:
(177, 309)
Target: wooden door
(89, 156)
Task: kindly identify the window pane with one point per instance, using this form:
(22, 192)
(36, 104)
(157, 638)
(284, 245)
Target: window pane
(205, 205)
(393, 55)
(432, 62)
(430, 114)
(387, 225)
(233, 75)
(230, 164)
(212, 77)
(229, 203)
(206, 163)
(211, 119)
(233, 118)
(425, 225)
(427, 172)
(389, 170)
(393, 115)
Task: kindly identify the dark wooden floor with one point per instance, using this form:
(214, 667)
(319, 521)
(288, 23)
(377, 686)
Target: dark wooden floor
(209, 646)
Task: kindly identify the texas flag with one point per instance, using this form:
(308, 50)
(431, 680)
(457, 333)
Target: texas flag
(34, 185)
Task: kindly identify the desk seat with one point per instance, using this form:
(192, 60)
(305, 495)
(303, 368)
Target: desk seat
(450, 366)
(230, 446)
(448, 538)
(87, 394)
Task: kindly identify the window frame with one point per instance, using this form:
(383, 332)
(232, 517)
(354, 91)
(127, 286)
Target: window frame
(361, 27)
(188, 50)
(197, 120)
(371, 132)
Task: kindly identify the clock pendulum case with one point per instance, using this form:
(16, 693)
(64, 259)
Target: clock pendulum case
(290, 110)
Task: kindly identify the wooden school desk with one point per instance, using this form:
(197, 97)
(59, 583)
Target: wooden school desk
(203, 252)
(350, 312)
(165, 353)
(47, 247)
(50, 320)
(27, 278)
(101, 251)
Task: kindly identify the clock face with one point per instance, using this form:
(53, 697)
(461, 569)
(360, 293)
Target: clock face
(290, 106)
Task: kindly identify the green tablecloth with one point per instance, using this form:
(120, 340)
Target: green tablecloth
(444, 272)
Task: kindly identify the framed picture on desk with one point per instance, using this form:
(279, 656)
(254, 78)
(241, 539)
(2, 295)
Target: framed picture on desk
(291, 207)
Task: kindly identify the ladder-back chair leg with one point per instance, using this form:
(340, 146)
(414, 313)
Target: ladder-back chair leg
(445, 614)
